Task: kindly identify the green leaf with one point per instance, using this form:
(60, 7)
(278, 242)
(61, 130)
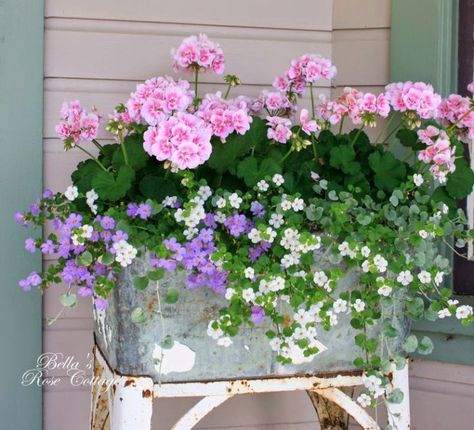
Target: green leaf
(460, 183)
(396, 396)
(140, 282)
(251, 171)
(425, 346)
(409, 138)
(388, 330)
(167, 342)
(139, 316)
(389, 171)
(84, 174)
(415, 308)
(84, 259)
(157, 274)
(113, 188)
(137, 157)
(341, 156)
(172, 295)
(68, 300)
(410, 344)
(157, 188)
(107, 258)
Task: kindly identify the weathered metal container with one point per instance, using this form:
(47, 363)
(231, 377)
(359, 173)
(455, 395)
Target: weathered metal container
(134, 349)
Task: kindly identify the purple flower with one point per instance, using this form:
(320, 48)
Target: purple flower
(107, 223)
(119, 235)
(258, 314)
(257, 209)
(255, 252)
(132, 209)
(166, 263)
(237, 224)
(210, 221)
(144, 211)
(33, 280)
(47, 248)
(20, 219)
(100, 303)
(47, 194)
(106, 236)
(74, 220)
(84, 291)
(56, 223)
(30, 245)
(35, 209)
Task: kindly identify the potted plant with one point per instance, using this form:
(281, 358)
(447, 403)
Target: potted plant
(223, 237)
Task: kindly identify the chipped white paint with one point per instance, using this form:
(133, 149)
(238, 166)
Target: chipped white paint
(298, 356)
(131, 404)
(104, 329)
(178, 358)
(399, 413)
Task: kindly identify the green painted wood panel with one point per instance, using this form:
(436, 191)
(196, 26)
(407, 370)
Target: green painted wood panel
(424, 47)
(21, 106)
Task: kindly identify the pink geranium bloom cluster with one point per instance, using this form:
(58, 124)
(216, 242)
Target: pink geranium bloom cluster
(456, 111)
(157, 98)
(308, 125)
(416, 97)
(225, 116)
(76, 124)
(358, 106)
(183, 139)
(198, 52)
(306, 69)
(438, 151)
(279, 129)
(274, 103)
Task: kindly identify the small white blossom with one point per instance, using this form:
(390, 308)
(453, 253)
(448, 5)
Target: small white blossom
(340, 306)
(86, 231)
(444, 208)
(262, 185)
(365, 251)
(345, 250)
(71, 193)
(190, 232)
(384, 290)
(439, 278)
(320, 278)
(444, 313)
(314, 176)
(124, 253)
(214, 333)
(453, 302)
(276, 220)
(277, 284)
(169, 201)
(332, 318)
(423, 234)
(380, 263)
(249, 273)
(364, 400)
(248, 295)
(463, 312)
(221, 202)
(219, 217)
(285, 205)
(278, 179)
(254, 235)
(299, 333)
(204, 192)
(424, 277)
(275, 343)
(235, 201)
(91, 197)
(359, 305)
(264, 287)
(225, 341)
(418, 179)
(366, 266)
(405, 278)
(230, 292)
(297, 204)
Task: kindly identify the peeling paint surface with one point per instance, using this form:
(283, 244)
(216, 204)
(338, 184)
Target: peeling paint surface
(178, 358)
(103, 328)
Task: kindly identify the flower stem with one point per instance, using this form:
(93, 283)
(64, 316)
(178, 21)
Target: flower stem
(124, 150)
(359, 131)
(287, 155)
(384, 128)
(196, 77)
(312, 99)
(97, 144)
(460, 119)
(227, 92)
(341, 124)
(94, 158)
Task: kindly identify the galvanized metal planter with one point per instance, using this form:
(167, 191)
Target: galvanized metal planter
(126, 349)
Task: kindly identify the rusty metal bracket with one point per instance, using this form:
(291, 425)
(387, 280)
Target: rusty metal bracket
(125, 402)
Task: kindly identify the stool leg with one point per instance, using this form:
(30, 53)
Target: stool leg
(399, 414)
(331, 416)
(99, 400)
(131, 403)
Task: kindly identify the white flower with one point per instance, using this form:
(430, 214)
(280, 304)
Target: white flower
(254, 235)
(463, 312)
(86, 231)
(299, 333)
(381, 263)
(219, 217)
(423, 234)
(248, 295)
(372, 382)
(235, 201)
(364, 400)
(264, 287)
(418, 179)
(320, 278)
(444, 313)
(262, 185)
(344, 249)
(405, 278)
(439, 278)
(289, 260)
(278, 179)
(249, 273)
(314, 176)
(365, 251)
(384, 290)
(204, 192)
(190, 232)
(285, 205)
(444, 208)
(169, 201)
(452, 302)
(215, 333)
(340, 306)
(91, 196)
(424, 277)
(276, 220)
(225, 341)
(229, 293)
(124, 253)
(302, 317)
(277, 284)
(298, 204)
(275, 343)
(359, 305)
(332, 318)
(71, 193)
(365, 266)
(269, 235)
(221, 202)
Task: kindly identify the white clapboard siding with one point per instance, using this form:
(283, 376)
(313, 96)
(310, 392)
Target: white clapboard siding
(309, 15)
(348, 14)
